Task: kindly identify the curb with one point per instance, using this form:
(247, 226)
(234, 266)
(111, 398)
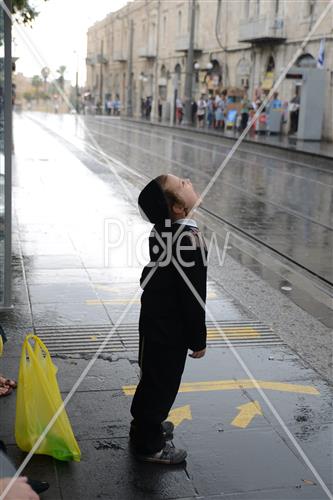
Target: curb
(216, 134)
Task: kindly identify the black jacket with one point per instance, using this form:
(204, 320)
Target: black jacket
(170, 313)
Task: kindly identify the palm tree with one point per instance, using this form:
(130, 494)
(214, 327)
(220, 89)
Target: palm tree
(36, 82)
(45, 74)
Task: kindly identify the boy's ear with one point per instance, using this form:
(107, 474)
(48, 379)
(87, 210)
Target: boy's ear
(178, 209)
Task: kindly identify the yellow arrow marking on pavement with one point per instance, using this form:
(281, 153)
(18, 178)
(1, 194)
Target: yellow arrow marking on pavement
(230, 385)
(246, 413)
(178, 415)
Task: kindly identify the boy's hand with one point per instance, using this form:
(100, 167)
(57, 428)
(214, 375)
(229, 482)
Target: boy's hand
(198, 354)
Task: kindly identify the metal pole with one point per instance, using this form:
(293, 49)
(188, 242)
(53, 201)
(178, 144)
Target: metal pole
(77, 82)
(129, 107)
(189, 70)
(8, 145)
(101, 79)
(154, 114)
(77, 91)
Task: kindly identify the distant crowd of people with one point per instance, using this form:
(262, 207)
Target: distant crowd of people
(208, 111)
(212, 111)
(113, 106)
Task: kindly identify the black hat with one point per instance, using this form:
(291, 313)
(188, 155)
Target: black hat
(153, 204)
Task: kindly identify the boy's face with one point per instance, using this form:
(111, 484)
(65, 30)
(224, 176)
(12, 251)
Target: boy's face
(184, 190)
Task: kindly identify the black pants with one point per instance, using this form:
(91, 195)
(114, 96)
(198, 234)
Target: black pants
(162, 367)
(293, 121)
(244, 120)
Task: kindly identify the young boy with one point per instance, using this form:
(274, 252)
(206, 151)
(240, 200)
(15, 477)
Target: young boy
(172, 320)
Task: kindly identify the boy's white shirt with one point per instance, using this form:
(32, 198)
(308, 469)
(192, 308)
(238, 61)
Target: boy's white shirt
(187, 222)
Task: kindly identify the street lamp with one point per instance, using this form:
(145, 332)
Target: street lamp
(77, 82)
(209, 66)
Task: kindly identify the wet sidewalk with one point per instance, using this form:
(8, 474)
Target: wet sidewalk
(72, 292)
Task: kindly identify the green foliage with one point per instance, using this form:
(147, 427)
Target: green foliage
(24, 12)
(61, 80)
(28, 96)
(36, 81)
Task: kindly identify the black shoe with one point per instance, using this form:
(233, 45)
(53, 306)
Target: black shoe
(38, 486)
(168, 456)
(167, 428)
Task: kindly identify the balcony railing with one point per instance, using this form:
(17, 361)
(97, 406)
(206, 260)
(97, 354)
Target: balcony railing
(101, 59)
(262, 29)
(90, 60)
(119, 55)
(149, 52)
(183, 43)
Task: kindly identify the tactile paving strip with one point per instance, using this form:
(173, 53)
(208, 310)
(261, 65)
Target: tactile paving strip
(83, 339)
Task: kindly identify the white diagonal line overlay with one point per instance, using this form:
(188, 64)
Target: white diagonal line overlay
(204, 193)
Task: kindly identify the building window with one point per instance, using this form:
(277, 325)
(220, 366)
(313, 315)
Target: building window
(247, 9)
(179, 26)
(311, 8)
(152, 38)
(197, 21)
(258, 7)
(164, 28)
(277, 6)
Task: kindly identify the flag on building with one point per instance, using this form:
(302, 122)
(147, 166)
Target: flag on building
(321, 54)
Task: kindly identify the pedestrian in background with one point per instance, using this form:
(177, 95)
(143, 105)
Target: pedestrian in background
(210, 111)
(294, 111)
(172, 320)
(116, 105)
(244, 111)
(219, 113)
(194, 109)
(179, 110)
(109, 106)
(160, 109)
(201, 112)
(148, 107)
(143, 107)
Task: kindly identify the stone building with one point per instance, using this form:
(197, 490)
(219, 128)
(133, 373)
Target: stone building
(237, 44)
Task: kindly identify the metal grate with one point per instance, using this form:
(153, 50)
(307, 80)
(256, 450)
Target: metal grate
(86, 339)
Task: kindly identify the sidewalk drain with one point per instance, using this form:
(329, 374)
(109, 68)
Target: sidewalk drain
(85, 339)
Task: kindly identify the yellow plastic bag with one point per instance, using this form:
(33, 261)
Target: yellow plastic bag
(38, 398)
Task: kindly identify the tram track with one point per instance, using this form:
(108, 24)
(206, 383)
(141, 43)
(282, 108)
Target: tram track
(267, 246)
(211, 142)
(233, 228)
(207, 176)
